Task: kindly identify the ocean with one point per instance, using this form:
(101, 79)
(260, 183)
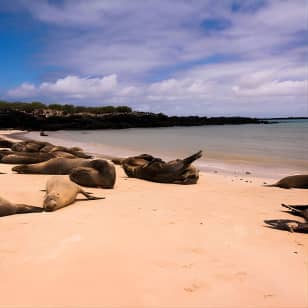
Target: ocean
(269, 150)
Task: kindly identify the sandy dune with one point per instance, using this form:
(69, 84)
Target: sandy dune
(153, 245)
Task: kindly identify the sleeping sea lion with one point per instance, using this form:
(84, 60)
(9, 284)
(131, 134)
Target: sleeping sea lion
(4, 143)
(147, 167)
(53, 166)
(25, 158)
(9, 208)
(292, 225)
(288, 225)
(61, 191)
(28, 146)
(293, 181)
(46, 147)
(74, 151)
(299, 210)
(100, 173)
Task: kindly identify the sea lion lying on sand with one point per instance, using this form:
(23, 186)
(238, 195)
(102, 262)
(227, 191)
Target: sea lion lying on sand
(53, 166)
(28, 146)
(288, 225)
(61, 191)
(13, 157)
(9, 208)
(46, 147)
(100, 173)
(4, 143)
(25, 158)
(293, 181)
(292, 225)
(93, 173)
(147, 167)
(299, 210)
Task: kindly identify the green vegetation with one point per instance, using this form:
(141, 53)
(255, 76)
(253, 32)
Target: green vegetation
(66, 109)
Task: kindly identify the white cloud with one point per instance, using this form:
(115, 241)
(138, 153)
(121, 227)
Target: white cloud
(274, 88)
(260, 56)
(71, 87)
(24, 90)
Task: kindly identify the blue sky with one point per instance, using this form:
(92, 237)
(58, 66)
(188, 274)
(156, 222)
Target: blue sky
(179, 57)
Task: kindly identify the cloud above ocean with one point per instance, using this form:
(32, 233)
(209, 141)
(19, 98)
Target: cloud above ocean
(173, 56)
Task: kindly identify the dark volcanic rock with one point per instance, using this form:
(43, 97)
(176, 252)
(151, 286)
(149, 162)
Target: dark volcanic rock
(22, 120)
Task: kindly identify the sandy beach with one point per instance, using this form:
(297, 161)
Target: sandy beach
(154, 245)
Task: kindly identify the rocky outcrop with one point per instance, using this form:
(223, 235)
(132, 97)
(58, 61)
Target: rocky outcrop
(29, 121)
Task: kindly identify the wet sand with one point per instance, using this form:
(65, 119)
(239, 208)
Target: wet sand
(154, 245)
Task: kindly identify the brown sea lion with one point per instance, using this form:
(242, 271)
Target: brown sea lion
(300, 210)
(292, 225)
(5, 152)
(53, 166)
(100, 173)
(293, 181)
(61, 191)
(147, 167)
(9, 208)
(28, 146)
(46, 147)
(25, 158)
(288, 225)
(4, 143)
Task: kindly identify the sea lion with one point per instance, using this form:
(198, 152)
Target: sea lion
(5, 152)
(9, 208)
(61, 191)
(299, 210)
(53, 166)
(4, 143)
(100, 173)
(293, 181)
(28, 146)
(25, 158)
(288, 225)
(147, 167)
(292, 225)
(46, 147)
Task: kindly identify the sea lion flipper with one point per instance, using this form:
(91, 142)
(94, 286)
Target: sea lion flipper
(188, 160)
(291, 208)
(89, 197)
(24, 208)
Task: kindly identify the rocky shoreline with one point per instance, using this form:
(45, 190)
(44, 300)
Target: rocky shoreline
(30, 121)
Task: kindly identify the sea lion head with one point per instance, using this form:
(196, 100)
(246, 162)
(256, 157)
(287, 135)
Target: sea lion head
(51, 202)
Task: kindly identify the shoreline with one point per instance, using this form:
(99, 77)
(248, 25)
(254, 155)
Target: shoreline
(232, 167)
(155, 245)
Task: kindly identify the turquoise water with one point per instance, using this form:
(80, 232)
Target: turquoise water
(274, 149)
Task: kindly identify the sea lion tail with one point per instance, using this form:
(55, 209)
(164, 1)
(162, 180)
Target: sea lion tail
(188, 160)
(24, 208)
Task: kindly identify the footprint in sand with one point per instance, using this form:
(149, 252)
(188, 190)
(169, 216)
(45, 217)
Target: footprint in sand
(194, 287)
(187, 265)
(197, 250)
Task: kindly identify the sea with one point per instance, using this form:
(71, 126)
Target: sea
(264, 150)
